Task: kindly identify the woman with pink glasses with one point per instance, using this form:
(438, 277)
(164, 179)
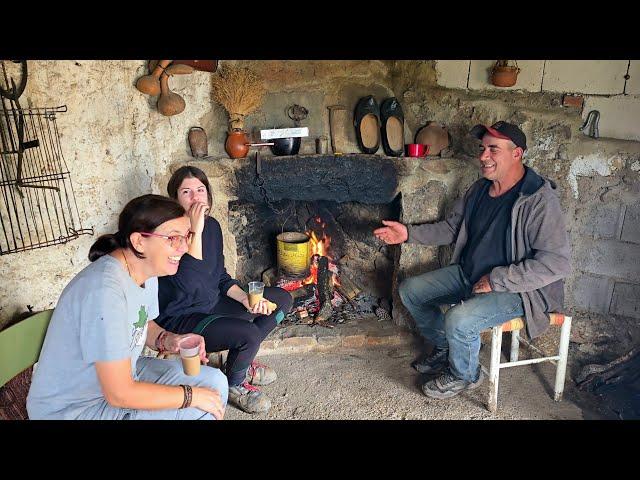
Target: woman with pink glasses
(90, 366)
(203, 298)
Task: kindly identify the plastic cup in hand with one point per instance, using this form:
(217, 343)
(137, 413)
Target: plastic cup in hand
(256, 292)
(190, 355)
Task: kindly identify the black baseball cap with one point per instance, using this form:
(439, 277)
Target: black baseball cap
(504, 130)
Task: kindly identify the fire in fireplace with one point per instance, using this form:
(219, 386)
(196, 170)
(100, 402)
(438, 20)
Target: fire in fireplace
(336, 203)
(348, 270)
(324, 294)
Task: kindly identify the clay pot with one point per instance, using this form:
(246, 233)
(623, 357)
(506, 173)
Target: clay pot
(435, 135)
(236, 144)
(169, 103)
(504, 76)
(150, 84)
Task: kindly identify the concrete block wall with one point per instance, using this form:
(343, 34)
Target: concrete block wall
(633, 83)
(597, 77)
(607, 258)
(619, 115)
(611, 87)
(529, 78)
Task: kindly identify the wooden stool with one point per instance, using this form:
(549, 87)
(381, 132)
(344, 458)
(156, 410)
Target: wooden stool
(514, 326)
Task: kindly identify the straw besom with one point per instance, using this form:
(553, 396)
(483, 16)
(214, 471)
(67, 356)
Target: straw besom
(239, 91)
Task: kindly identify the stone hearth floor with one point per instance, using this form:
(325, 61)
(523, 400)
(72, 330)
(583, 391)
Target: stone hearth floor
(365, 331)
(288, 338)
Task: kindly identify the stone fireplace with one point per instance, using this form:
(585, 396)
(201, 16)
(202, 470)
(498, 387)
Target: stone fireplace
(349, 195)
(341, 198)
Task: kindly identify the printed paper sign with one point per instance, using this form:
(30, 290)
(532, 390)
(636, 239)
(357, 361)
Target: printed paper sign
(284, 133)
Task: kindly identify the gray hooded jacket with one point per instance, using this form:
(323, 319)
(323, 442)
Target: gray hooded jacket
(539, 247)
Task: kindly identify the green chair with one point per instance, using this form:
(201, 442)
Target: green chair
(20, 346)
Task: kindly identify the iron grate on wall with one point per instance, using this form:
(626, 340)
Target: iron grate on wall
(37, 202)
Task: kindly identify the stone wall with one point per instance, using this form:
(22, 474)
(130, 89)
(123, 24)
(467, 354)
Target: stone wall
(117, 146)
(425, 188)
(599, 179)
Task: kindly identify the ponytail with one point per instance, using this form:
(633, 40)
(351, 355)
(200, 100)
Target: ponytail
(104, 245)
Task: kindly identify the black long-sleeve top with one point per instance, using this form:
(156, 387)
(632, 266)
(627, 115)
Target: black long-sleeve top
(195, 289)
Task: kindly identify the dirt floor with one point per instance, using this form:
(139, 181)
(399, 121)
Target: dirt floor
(378, 383)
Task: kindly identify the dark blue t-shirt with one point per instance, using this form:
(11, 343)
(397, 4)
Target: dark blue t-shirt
(489, 229)
(195, 290)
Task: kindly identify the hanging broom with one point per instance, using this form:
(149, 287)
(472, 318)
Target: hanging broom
(239, 91)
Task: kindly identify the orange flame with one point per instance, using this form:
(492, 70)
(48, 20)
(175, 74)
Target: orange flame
(319, 247)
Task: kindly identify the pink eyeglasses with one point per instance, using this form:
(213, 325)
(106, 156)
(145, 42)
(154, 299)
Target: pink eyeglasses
(174, 240)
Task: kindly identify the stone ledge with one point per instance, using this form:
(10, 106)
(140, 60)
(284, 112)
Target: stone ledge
(366, 333)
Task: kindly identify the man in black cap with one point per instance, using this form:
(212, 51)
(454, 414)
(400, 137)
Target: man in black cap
(510, 257)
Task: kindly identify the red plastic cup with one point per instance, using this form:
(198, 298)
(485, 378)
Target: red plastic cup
(417, 150)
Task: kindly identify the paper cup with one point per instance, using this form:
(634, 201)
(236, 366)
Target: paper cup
(190, 355)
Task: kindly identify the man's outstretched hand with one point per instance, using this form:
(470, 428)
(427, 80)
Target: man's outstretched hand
(392, 233)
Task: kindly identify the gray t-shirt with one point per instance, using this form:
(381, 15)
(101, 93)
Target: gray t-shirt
(101, 316)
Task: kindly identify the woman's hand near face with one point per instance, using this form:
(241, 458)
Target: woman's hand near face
(197, 213)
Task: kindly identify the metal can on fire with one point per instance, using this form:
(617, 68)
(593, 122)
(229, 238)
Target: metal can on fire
(294, 254)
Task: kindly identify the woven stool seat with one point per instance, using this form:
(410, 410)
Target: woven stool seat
(514, 326)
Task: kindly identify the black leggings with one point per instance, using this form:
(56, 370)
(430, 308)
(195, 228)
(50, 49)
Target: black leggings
(241, 332)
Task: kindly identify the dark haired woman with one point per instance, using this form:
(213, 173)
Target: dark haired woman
(90, 365)
(203, 298)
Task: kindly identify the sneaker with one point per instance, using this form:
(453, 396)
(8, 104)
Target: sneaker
(434, 362)
(447, 385)
(249, 399)
(260, 374)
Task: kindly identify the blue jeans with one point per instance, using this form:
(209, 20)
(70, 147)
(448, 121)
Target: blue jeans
(166, 372)
(459, 329)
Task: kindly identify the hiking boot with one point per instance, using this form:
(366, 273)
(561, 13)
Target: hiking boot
(260, 374)
(447, 385)
(249, 399)
(434, 362)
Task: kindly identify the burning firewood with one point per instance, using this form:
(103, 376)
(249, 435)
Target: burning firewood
(345, 297)
(325, 290)
(348, 288)
(302, 292)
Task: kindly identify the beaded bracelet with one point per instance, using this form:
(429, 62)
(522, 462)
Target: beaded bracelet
(188, 396)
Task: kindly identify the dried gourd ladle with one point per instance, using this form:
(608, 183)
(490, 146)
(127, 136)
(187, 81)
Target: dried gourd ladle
(169, 103)
(179, 69)
(150, 84)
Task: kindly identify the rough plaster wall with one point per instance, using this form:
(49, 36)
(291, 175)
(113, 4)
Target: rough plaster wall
(114, 143)
(117, 146)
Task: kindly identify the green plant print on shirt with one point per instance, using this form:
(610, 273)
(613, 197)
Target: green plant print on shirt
(142, 317)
